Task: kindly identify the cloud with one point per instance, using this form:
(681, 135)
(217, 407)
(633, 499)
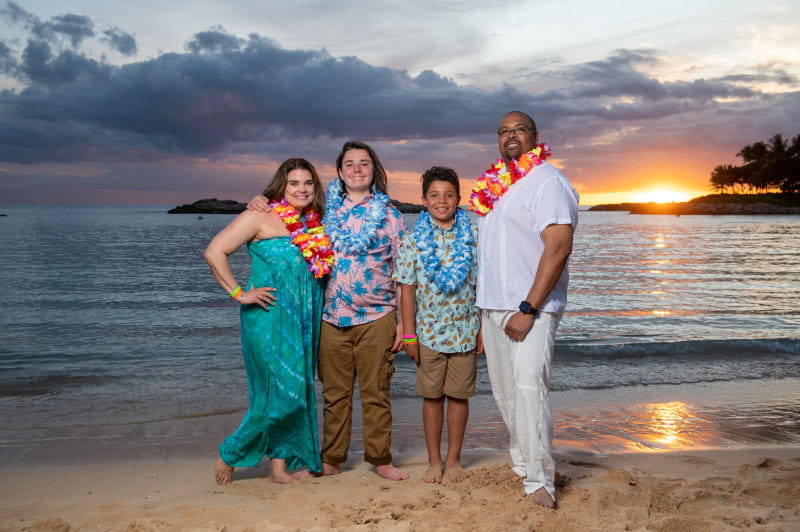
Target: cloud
(214, 41)
(16, 15)
(74, 28)
(121, 41)
(8, 64)
(227, 95)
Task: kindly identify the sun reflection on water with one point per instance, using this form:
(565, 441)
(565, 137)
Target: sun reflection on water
(670, 426)
(643, 427)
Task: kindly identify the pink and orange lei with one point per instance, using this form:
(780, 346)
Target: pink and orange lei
(495, 181)
(314, 244)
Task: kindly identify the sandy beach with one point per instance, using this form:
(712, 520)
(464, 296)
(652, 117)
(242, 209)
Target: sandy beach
(705, 490)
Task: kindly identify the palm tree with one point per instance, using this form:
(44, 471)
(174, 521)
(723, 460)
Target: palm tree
(767, 167)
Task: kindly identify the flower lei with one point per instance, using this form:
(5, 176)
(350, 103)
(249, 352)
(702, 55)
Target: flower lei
(495, 181)
(344, 239)
(446, 279)
(314, 244)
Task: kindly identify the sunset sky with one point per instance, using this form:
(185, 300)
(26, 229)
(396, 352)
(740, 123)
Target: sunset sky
(170, 102)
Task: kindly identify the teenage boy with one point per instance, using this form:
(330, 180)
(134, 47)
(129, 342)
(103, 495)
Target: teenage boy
(436, 270)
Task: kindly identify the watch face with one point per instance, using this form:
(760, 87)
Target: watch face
(526, 308)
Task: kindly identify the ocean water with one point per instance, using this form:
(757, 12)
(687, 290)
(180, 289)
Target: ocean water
(117, 341)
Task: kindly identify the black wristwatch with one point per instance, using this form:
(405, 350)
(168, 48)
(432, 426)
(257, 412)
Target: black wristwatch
(527, 308)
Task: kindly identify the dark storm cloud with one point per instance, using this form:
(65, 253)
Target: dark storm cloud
(223, 91)
(8, 64)
(121, 41)
(74, 28)
(214, 41)
(226, 90)
(618, 76)
(777, 76)
(16, 15)
(42, 67)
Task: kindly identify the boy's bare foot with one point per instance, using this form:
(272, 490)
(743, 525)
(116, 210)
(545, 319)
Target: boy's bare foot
(506, 476)
(543, 498)
(433, 474)
(456, 473)
(330, 469)
(223, 472)
(390, 472)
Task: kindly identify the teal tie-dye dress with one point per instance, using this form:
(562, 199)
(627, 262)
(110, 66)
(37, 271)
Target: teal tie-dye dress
(280, 355)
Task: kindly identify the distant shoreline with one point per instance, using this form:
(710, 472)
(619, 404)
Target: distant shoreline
(215, 206)
(714, 204)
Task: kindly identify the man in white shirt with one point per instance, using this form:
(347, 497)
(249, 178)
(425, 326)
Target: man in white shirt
(524, 244)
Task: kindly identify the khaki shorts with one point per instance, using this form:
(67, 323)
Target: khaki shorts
(451, 374)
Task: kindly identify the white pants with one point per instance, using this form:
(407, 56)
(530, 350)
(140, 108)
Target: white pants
(520, 376)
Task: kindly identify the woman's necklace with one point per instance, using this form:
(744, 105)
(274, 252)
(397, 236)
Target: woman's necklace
(496, 181)
(447, 279)
(344, 239)
(314, 244)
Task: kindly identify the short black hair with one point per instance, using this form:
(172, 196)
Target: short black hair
(527, 116)
(440, 173)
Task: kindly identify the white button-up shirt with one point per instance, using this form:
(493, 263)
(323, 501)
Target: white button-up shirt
(510, 242)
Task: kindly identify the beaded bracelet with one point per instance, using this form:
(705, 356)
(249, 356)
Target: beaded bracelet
(236, 292)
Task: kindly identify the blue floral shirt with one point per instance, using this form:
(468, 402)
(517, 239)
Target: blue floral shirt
(360, 288)
(444, 323)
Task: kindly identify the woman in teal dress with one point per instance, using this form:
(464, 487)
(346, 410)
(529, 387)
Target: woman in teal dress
(280, 320)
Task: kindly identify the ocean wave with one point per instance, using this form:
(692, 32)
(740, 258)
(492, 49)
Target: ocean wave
(705, 349)
(46, 385)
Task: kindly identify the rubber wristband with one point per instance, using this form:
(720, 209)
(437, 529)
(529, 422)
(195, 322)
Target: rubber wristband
(236, 291)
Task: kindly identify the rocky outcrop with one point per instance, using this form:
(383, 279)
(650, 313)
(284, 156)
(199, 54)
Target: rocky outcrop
(407, 208)
(715, 204)
(210, 206)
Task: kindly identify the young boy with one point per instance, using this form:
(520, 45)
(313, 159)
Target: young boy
(436, 270)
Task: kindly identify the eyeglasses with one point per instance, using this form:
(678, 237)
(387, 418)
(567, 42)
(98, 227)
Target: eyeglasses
(505, 131)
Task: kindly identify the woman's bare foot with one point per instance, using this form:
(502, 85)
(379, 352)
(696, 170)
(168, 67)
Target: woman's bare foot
(506, 476)
(223, 472)
(303, 473)
(434, 474)
(542, 498)
(278, 473)
(330, 469)
(390, 472)
(456, 473)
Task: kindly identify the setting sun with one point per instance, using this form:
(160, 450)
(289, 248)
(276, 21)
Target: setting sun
(660, 196)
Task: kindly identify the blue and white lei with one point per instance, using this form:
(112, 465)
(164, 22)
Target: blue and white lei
(450, 278)
(343, 238)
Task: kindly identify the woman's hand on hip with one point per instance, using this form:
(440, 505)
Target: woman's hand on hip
(261, 296)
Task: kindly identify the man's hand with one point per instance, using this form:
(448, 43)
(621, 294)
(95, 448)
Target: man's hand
(259, 204)
(479, 349)
(518, 326)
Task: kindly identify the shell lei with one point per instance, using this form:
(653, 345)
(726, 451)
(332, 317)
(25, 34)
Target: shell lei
(496, 181)
(344, 240)
(314, 244)
(448, 279)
